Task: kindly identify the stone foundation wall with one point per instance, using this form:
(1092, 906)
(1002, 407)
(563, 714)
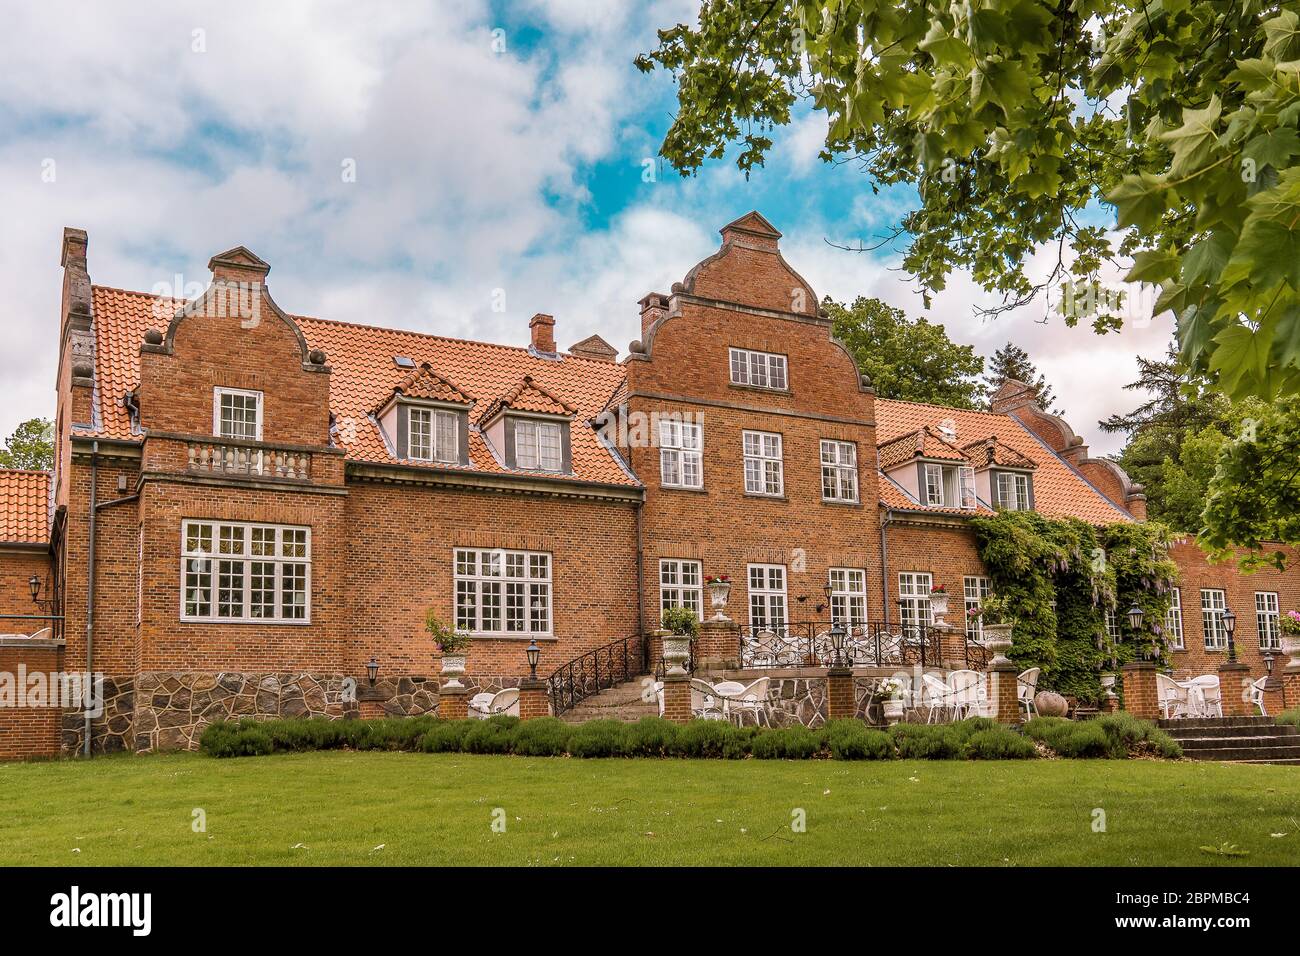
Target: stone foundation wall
(802, 701)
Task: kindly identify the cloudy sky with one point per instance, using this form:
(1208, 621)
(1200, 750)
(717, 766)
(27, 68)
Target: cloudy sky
(493, 146)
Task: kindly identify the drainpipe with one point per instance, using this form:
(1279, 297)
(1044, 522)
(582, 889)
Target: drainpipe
(90, 589)
(640, 581)
(884, 562)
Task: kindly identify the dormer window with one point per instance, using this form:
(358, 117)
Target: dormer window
(237, 414)
(539, 446)
(948, 486)
(758, 369)
(1012, 491)
(432, 435)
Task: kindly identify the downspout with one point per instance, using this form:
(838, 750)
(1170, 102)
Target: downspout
(640, 582)
(884, 563)
(90, 591)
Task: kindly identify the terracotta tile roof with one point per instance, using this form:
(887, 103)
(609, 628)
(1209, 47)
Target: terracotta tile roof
(364, 376)
(528, 396)
(925, 442)
(24, 507)
(988, 452)
(893, 496)
(1059, 490)
(424, 382)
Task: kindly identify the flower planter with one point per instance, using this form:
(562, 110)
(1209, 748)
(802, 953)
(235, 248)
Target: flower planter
(719, 593)
(1108, 685)
(676, 650)
(453, 667)
(893, 711)
(939, 603)
(1291, 648)
(997, 638)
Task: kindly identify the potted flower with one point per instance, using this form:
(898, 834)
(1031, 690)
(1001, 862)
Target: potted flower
(939, 600)
(719, 591)
(681, 627)
(996, 622)
(453, 644)
(890, 692)
(1290, 625)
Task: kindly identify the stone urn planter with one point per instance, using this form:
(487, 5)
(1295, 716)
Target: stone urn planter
(453, 668)
(676, 650)
(939, 605)
(719, 594)
(997, 638)
(1108, 685)
(1291, 648)
(893, 711)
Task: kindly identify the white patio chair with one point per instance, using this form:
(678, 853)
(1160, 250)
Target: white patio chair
(965, 698)
(728, 691)
(936, 695)
(1026, 688)
(751, 700)
(1207, 687)
(1257, 695)
(1173, 697)
(479, 704)
(505, 702)
(659, 695)
(704, 701)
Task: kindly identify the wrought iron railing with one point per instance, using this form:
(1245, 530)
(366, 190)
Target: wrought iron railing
(33, 625)
(809, 644)
(977, 655)
(597, 670)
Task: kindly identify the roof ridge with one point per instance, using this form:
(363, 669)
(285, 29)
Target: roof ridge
(44, 472)
(946, 408)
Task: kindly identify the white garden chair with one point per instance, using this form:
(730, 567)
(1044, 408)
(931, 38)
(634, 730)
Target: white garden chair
(739, 699)
(1173, 697)
(479, 704)
(659, 695)
(487, 705)
(1207, 688)
(1257, 695)
(965, 697)
(936, 695)
(1026, 688)
(704, 701)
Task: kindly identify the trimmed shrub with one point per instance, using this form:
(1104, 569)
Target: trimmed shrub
(702, 738)
(488, 737)
(999, 743)
(739, 742)
(929, 741)
(850, 739)
(599, 738)
(1115, 736)
(1291, 717)
(543, 737)
(227, 739)
(786, 743)
(651, 737)
(446, 736)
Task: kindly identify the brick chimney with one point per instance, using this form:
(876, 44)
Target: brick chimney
(1011, 396)
(76, 332)
(654, 306)
(542, 327)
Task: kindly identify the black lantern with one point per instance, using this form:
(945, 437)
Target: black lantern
(838, 634)
(1268, 662)
(34, 585)
(534, 653)
(1135, 617)
(1230, 626)
(372, 670)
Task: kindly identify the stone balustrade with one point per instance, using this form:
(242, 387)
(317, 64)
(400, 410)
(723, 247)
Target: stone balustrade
(224, 458)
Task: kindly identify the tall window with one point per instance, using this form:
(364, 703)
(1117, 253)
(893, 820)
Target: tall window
(245, 572)
(1174, 620)
(237, 414)
(538, 446)
(503, 592)
(848, 595)
(759, 369)
(431, 435)
(767, 595)
(839, 471)
(680, 585)
(1213, 604)
(949, 486)
(914, 598)
(1012, 491)
(1269, 619)
(763, 465)
(681, 454)
(934, 485)
(973, 591)
(1112, 625)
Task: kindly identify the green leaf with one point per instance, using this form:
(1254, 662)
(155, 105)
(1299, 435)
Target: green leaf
(1268, 253)
(1192, 142)
(1273, 148)
(1139, 200)
(944, 48)
(1286, 337)
(1203, 262)
(1282, 36)
(1241, 358)
(1153, 265)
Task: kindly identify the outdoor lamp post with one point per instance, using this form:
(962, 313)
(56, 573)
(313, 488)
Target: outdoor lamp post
(372, 670)
(1229, 626)
(34, 584)
(828, 591)
(534, 653)
(1135, 616)
(838, 634)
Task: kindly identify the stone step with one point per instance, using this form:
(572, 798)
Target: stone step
(1285, 761)
(1259, 730)
(1198, 723)
(1269, 753)
(623, 703)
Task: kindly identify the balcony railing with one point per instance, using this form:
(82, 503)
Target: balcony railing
(866, 644)
(219, 457)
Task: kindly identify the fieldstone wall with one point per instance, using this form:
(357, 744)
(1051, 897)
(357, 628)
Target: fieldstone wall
(802, 701)
(403, 696)
(110, 732)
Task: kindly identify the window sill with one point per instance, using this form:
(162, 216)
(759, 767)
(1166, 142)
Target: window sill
(761, 389)
(687, 488)
(841, 503)
(245, 622)
(544, 638)
(762, 497)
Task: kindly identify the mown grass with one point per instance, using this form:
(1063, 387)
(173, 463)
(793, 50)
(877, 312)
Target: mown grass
(346, 808)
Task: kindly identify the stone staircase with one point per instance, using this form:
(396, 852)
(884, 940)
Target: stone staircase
(617, 703)
(1236, 739)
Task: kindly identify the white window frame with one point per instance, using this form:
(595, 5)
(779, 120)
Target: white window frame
(933, 488)
(755, 369)
(848, 595)
(1174, 620)
(531, 452)
(764, 456)
(1019, 499)
(290, 560)
(839, 471)
(502, 580)
(766, 585)
(436, 417)
(1268, 618)
(966, 487)
(914, 598)
(1111, 618)
(218, 394)
(681, 584)
(1214, 601)
(974, 589)
(681, 454)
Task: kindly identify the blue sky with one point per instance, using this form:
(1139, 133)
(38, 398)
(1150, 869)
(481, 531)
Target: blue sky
(173, 131)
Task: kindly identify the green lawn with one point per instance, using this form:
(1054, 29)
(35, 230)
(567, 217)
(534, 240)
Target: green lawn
(399, 808)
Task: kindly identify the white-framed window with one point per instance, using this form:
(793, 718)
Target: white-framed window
(1213, 603)
(254, 573)
(681, 585)
(974, 589)
(839, 471)
(848, 595)
(237, 414)
(914, 598)
(1112, 625)
(538, 446)
(949, 486)
(1268, 616)
(767, 595)
(1012, 491)
(681, 454)
(431, 435)
(1174, 620)
(502, 592)
(764, 470)
(759, 369)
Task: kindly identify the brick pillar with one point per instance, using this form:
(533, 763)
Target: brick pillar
(370, 709)
(718, 646)
(952, 646)
(839, 693)
(1273, 702)
(1140, 697)
(453, 703)
(1291, 687)
(677, 698)
(1004, 693)
(1110, 705)
(534, 701)
(1233, 678)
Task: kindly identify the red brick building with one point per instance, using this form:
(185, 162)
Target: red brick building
(249, 506)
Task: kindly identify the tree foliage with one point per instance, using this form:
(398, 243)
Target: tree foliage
(1012, 362)
(1012, 117)
(913, 360)
(31, 446)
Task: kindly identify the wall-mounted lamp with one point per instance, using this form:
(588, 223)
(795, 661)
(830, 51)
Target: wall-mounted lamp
(372, 670)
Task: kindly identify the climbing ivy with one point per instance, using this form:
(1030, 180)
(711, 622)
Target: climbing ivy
(1058, 577)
